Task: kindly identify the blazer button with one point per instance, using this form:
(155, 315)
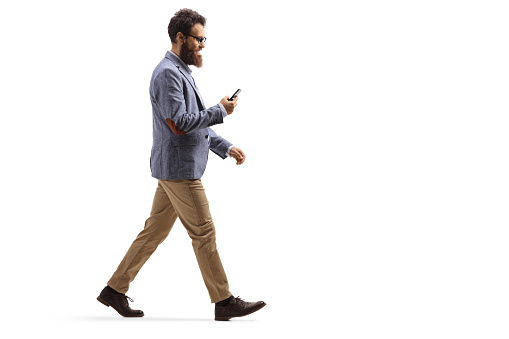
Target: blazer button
(207, 136)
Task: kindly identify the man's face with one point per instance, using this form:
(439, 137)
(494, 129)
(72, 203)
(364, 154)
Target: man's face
(190, 50)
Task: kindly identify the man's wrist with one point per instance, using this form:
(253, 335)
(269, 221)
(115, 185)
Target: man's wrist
(223, 110)
(228, 152)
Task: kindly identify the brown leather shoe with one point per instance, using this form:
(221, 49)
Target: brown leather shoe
(237, 308)
(119, 303)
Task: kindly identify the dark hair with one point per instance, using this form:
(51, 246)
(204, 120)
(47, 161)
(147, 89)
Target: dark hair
(183, 21)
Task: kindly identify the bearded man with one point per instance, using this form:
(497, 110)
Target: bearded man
(182, 138)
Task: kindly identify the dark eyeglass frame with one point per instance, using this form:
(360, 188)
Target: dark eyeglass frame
(200, 40)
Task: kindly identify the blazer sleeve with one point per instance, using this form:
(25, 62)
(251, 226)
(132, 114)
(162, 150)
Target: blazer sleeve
(218, 144)
(169, 97)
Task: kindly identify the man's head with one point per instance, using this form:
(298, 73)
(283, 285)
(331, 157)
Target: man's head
(186, 29)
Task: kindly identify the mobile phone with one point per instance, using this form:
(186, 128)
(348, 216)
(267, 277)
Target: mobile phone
(235, 94)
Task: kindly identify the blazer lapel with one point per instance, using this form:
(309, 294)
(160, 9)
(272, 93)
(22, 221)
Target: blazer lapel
(198, 96)
(179, 63)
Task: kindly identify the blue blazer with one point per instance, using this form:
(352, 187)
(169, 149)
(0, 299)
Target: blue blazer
(182, 135)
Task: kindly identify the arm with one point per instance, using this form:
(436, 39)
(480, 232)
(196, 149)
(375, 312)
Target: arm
(169, 96)
(219, 145)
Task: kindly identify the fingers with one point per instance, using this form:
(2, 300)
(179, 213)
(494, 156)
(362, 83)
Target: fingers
(238, 155)
(243, 156)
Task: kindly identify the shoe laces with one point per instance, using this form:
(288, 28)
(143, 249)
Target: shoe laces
(240, 301)
(125, 300)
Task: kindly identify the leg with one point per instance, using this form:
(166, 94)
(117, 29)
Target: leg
(157, 227)
(192, 207)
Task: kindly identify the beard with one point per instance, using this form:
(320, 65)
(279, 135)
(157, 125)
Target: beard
(190, 57)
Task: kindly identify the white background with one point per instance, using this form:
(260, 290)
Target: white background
(372, 204)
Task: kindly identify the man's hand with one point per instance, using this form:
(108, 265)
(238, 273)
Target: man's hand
(229, 105)
(238, 155)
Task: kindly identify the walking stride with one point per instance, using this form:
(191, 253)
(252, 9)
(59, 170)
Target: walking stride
(182, 138)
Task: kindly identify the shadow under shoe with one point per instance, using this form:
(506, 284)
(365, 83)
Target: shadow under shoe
(237, 308)
(119, 303)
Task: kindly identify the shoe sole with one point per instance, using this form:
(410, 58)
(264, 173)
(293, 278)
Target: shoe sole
(102, 301)
(238, 316)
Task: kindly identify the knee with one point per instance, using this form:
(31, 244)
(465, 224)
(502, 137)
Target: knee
(206, 234)
(158, 226)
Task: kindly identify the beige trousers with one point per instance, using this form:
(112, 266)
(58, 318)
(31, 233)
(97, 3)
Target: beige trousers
(185, 199)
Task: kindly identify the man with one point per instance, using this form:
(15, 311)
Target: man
(181, 141)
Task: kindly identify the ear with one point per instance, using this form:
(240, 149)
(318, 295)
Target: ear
(180, 37)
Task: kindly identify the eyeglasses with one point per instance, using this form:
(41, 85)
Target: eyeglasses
(200, 40)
